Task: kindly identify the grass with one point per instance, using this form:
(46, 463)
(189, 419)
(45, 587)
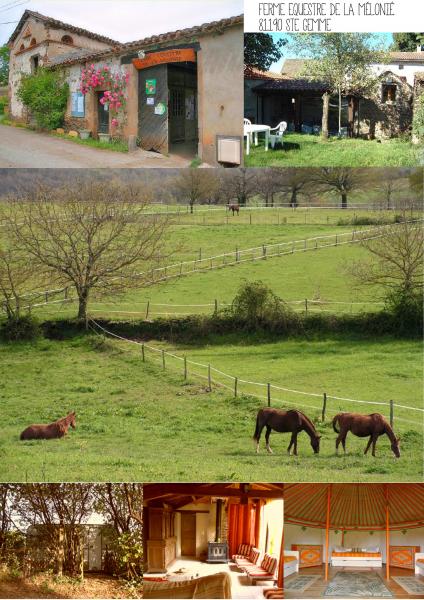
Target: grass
(136, 422)
(304, 150)
(115, 145)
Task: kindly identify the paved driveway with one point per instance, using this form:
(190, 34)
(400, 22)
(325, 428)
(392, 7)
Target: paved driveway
(21, 148)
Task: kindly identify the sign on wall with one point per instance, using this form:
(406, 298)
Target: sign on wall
(78, 104)
(165, 56)
(150, 87)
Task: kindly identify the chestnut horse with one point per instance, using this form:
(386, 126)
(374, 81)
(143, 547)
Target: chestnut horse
(285, 421)
(372, 425)
(234, 208)
(47, 432)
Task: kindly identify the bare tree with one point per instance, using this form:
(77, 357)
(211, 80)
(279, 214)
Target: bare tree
(296, 182)
(268, 182)
(16, 272)
(95, 237)
(196, 185)
(341, 181)
(395, 264)
(5, 517)
(241, 184)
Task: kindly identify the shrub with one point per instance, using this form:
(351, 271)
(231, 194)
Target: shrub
(45, 93)
(407, 310)
(3, 104)
(17, 329)
(418, 121)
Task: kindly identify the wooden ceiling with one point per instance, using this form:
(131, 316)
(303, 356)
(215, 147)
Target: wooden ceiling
(180, 494)
(355, 506)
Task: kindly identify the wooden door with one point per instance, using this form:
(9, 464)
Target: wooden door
(153, 108)
(188, 534)
(103, 115)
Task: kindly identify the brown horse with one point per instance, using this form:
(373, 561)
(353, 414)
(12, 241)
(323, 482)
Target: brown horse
(47, 432)
(285, 421)
(234, 208)
(372, 425)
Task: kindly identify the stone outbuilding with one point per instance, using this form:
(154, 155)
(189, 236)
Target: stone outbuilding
(183, 90)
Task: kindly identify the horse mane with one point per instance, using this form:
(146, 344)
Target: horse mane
(308, 420)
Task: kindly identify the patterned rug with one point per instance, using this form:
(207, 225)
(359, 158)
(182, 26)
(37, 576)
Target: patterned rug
(357, 585)
(300, 583)
(411, 584)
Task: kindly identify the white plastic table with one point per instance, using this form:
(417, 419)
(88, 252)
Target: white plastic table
(255, 129)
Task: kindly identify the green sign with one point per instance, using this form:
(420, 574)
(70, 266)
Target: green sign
(160, 108)
(150, 87)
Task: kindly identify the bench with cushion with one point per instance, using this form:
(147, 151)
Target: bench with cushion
(264, 572)
(251, 560)
(361, 557)
(274, 593)
(243, 551)
(419, 563)
(211, 586)
(291, 562)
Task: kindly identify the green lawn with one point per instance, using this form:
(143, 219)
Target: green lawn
(304, 150)
(137, 422)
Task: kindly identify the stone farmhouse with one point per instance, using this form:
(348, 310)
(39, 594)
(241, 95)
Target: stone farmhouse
(183, 89)
(290, 96)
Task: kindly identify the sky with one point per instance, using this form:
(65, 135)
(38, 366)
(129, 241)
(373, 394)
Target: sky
(121, 20)
(382, 39)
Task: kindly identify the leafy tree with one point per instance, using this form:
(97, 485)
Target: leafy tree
(4, 64)
(418, 120)
(342, 61)
(407, 42)
(261, 50)
(45, 94)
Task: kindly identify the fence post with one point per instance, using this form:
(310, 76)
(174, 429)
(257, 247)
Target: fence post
(147, 309)
(163, 359)
(143, 357)
(292, 247)
(216, 306)
(65, 293)
(200, 254)
(209, 378)
(264, 251)
(336, 239)
(306, 305)
(305, 243)
(235, 387)
(324, 406)
(181, 268)
(237, 254)
(269, 393)
(391, 413)
(185, 368)
(250, 218)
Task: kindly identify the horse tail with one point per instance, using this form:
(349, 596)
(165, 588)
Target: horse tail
(335, 422)
(258, 426)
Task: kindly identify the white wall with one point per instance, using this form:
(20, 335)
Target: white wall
(205, 527)
(407, 70)
(293, 534)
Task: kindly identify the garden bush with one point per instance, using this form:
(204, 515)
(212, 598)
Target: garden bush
(45, 94)
(16, 329)
(3, 104)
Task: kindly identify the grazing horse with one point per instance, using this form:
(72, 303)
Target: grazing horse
(285, 421)
(234, 208)
(372, 425)
(47, 432)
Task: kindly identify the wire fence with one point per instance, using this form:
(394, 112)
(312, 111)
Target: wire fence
(239, 256)
(323, 402)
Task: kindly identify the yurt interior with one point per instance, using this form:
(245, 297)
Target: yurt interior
(354, 540)
(213, 540)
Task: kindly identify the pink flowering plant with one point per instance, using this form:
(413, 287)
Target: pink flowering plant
(115, 96)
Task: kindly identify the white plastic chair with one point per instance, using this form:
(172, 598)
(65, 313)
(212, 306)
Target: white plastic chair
(248, 136)
(276, 134)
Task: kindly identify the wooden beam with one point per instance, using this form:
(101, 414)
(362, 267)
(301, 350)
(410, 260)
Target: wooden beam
(387, 534)
(280, 580)
(327, 530)
(162, 490)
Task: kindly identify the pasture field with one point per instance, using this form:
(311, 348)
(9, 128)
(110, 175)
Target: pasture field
(138, 422)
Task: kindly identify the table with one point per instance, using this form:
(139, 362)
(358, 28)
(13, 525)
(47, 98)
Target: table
(255, 129)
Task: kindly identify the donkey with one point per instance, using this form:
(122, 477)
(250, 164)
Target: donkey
(372, 425)
(284, 421)
(47, 432)
(234, 208)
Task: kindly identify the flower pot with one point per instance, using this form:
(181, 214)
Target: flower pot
(84, 134)
(104, 137)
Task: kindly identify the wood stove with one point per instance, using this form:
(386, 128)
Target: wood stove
(217, 552)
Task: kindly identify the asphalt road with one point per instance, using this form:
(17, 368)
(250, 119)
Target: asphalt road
(21, 148)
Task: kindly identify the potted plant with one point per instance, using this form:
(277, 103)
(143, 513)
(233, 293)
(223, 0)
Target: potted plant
(104, 137)
(84, 134)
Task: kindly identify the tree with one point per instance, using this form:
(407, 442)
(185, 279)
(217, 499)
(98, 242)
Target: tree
(268, 182)
(195, 185)
(407, 42)
(296, 182)
(241, 184)
(396, 267)
(4, 64)
(261, 50)
(16, 271)
(94, 237)
(341, 181)
(342, 61)
(45, 94)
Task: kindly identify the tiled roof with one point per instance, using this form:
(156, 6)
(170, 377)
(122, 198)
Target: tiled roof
(291, 85)
(59, 25)
(254, 73)
(173, 36)
(293, 66)
(61, 59)
(407, 56)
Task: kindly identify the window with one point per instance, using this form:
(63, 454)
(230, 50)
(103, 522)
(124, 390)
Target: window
(33, 42)
(35, 61)
(388, 93)
(67, 39)
(22, 47)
